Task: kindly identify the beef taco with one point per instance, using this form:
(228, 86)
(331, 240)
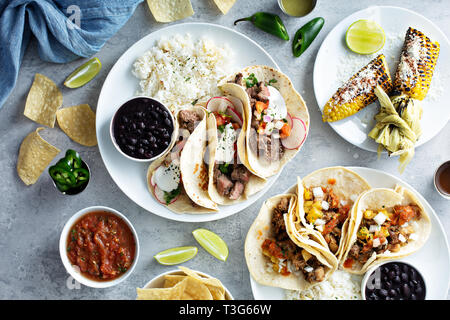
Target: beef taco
(277, 118)
(179, 178)
(230, 181)
(275, 259)
(385, 224)
(326, 197)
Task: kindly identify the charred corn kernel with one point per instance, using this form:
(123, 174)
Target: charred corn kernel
(363, 233)
(307, 206)
(358, 91)
(384, 231)
(306, 255)
(369, 214)
(307, 194)
(417, 62)
(313, 215)
(317, 205)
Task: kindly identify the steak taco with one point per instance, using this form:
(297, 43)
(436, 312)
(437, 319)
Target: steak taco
(277, 118)
(229, 179)
(385, 224)
(326, 197)
(275, 259)
(179, 178)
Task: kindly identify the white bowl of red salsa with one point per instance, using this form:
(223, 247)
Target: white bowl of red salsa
(99, 247)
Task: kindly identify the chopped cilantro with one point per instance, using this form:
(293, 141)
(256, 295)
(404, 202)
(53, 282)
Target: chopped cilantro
(251, 81)
(221, 128)
(169, 196)
(224, 168)
(271, 81)
(194, 102)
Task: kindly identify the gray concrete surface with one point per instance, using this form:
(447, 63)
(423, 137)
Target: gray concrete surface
(31, 218)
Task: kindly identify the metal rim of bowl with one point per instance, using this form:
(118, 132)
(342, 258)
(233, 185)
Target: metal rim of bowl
(290, 15)
(113, 139)
(372, 269)
(71, 269)
(443, 194)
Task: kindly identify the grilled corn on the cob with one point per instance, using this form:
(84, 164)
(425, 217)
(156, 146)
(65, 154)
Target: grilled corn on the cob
(417, 62)
(358, 92)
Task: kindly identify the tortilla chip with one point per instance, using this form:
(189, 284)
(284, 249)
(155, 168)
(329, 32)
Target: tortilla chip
(214, 285)
(195, 289)
(78, 122)
(173, 293)
(170, 10)
(35, 155)
(224, 5)
(43, 100)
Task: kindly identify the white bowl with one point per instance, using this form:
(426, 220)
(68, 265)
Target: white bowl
(158, 281)
(372, 269)
(113, 139)
(72, 270)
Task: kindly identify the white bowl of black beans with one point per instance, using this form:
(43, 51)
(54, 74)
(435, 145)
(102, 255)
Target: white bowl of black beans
(393, 280)
(142, 129)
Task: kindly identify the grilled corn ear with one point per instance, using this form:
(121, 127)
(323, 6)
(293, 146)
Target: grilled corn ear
(417, 62)
(358, 92)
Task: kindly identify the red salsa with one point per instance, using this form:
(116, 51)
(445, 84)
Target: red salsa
(102, 245)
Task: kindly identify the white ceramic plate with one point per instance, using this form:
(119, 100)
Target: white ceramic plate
(432, 260)
(120, 84)
(333, 55)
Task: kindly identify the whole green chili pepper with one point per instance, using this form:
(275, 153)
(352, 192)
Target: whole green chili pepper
(268, 22)
(73, 158)
(306, 35)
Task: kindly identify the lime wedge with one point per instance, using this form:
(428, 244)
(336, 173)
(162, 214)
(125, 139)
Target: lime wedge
(212, 243)
(365, 37)
(176, 255)
(83, 74)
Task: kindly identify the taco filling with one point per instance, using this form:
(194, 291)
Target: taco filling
(384, 230)
(269, 117)
(230, 177)
(166, 179)
(284, 256)
(327, 212)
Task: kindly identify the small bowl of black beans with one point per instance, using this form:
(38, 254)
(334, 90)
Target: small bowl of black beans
(142, 129)
(393, 280)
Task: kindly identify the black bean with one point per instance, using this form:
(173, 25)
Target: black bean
(404, 277)
(397, 279)
(413, 297)
(405, 290)
(393, 293)
(382, 292)
(418, 291)
(387, 284)
(167, 121)
(392, 274)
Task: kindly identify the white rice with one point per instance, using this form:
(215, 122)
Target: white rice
(340, 285)
(180, 70)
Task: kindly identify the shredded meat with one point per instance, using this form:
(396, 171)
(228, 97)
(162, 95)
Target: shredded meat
(188, 119)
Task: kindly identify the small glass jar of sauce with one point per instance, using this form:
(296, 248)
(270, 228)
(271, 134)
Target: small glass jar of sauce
(442, 180)
(297, 8)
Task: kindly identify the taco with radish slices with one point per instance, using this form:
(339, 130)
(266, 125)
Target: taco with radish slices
(386, 224)
(179, 179)
(326, 197)
(229, 179)
(276, 259)
(277, 118)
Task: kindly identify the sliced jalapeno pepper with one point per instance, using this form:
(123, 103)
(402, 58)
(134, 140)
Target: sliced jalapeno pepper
(268, 22)
(73, 158)
(81, 175)
(62, 176)
(62, 187)
(306, 35)
(64, 163)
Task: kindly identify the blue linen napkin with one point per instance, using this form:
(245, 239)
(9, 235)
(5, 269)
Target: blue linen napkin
(65, 30)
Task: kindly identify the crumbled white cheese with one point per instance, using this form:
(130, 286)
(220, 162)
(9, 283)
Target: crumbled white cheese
(318, 192)
(380, 218)
(401, 238)
(325, 205)
(376, 242)
(374, 228)
(319, 222)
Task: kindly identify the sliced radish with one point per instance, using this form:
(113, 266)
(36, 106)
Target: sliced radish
(298, 134)
(235, 116)
(289, 119)
(219, 104)
(159, 195)
(238, 105)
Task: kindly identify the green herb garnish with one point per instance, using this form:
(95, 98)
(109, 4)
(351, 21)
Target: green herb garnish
(169, 196)
(251, 81)
(271, 81)
(224, 168)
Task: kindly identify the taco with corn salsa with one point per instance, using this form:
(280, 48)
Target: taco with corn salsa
(275, 259)
(385, 224)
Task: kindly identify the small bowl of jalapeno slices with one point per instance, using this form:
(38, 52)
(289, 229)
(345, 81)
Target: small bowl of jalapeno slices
(70, 174)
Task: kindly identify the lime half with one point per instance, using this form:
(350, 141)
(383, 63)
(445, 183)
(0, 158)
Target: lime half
(83, 74)
(212, 243)
(176, 255)
(365, 37)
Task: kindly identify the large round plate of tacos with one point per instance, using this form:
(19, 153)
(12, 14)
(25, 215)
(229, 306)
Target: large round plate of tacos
(178, 185)
(425, 244)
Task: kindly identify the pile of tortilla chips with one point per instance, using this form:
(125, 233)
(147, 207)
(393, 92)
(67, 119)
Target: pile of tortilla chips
(187, 286)
(42, 106)
(173, 10)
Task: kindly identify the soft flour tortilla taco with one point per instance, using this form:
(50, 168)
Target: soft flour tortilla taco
(179, 179)
(385, 224)
(326, 197)
(230, 181)
(277, 118)
(275, 259)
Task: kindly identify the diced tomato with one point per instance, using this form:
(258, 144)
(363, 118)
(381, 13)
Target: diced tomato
(331, 181)
(329, 226)
(285, 131)
(404, 213)
(221, 119)
(261, 106)
(236, 125)
(262, 127)
(367, 246)
(348, 263)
